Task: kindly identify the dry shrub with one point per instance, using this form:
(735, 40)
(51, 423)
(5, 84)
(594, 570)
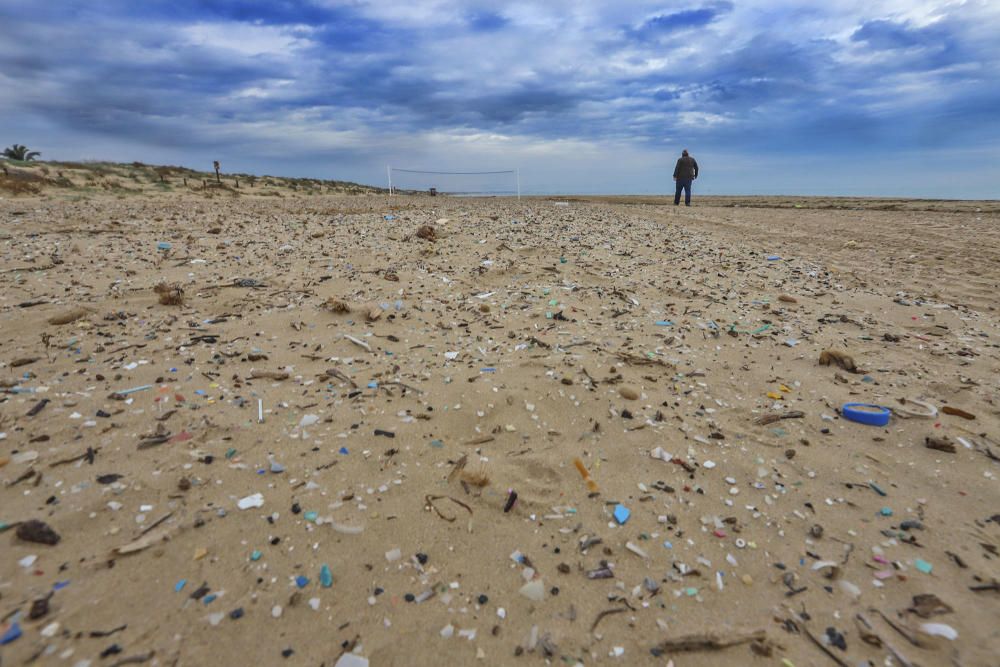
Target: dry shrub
(478, 477)
(336, 305)
(21, 183)
(842, 359)
(427, 233)
(170, 294)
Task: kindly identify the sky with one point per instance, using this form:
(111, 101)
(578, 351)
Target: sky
(840, 97)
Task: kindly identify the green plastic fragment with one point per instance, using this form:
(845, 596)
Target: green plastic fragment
(256, 555)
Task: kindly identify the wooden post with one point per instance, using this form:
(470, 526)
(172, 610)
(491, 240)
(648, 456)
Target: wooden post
(215, 163)
(237, 183)
(185, 181)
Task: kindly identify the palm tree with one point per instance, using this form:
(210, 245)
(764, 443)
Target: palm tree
(20, 153)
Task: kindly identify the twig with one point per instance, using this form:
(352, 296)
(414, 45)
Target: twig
(107, 633)
(862, 621)
(819, 644)
(906, 634)
(134, 659)
(156, 523)
(638, 360)
(89, 455)
(404, 386)
(710, 642)
(430, 502)
(606, 612)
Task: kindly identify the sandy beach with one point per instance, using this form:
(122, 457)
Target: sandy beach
(346, 430)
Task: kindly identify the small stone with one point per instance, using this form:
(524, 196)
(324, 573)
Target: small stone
(37, 531)
(627, 392)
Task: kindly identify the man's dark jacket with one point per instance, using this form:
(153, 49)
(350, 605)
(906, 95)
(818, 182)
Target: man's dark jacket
(686, 169)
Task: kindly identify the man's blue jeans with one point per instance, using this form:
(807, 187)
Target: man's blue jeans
(685, 185)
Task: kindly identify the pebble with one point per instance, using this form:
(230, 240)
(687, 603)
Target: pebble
(629, 393)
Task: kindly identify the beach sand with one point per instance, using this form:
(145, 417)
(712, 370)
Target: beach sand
(518, 338)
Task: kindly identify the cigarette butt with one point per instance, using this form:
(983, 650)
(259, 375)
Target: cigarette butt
(591, 484)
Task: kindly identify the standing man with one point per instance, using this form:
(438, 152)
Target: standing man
(685, 172)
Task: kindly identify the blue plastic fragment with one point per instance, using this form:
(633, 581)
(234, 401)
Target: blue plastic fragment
(179, 586)
(59, 585)
(773, 258)
(13, 633)
(301, 581)
(211, 597)
(622, 514)
(163, 245)
(664, 323)
(325, 576)
(343, 450)
(373, 385)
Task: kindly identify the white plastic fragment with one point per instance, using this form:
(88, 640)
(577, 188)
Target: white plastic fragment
(939, 630)
(251, 501)
(636, 549)
(345, 529)
(351, 660)
(533, 590)
(661, 454)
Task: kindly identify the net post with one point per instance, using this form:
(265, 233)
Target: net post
(388, 171)
(517, 174)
